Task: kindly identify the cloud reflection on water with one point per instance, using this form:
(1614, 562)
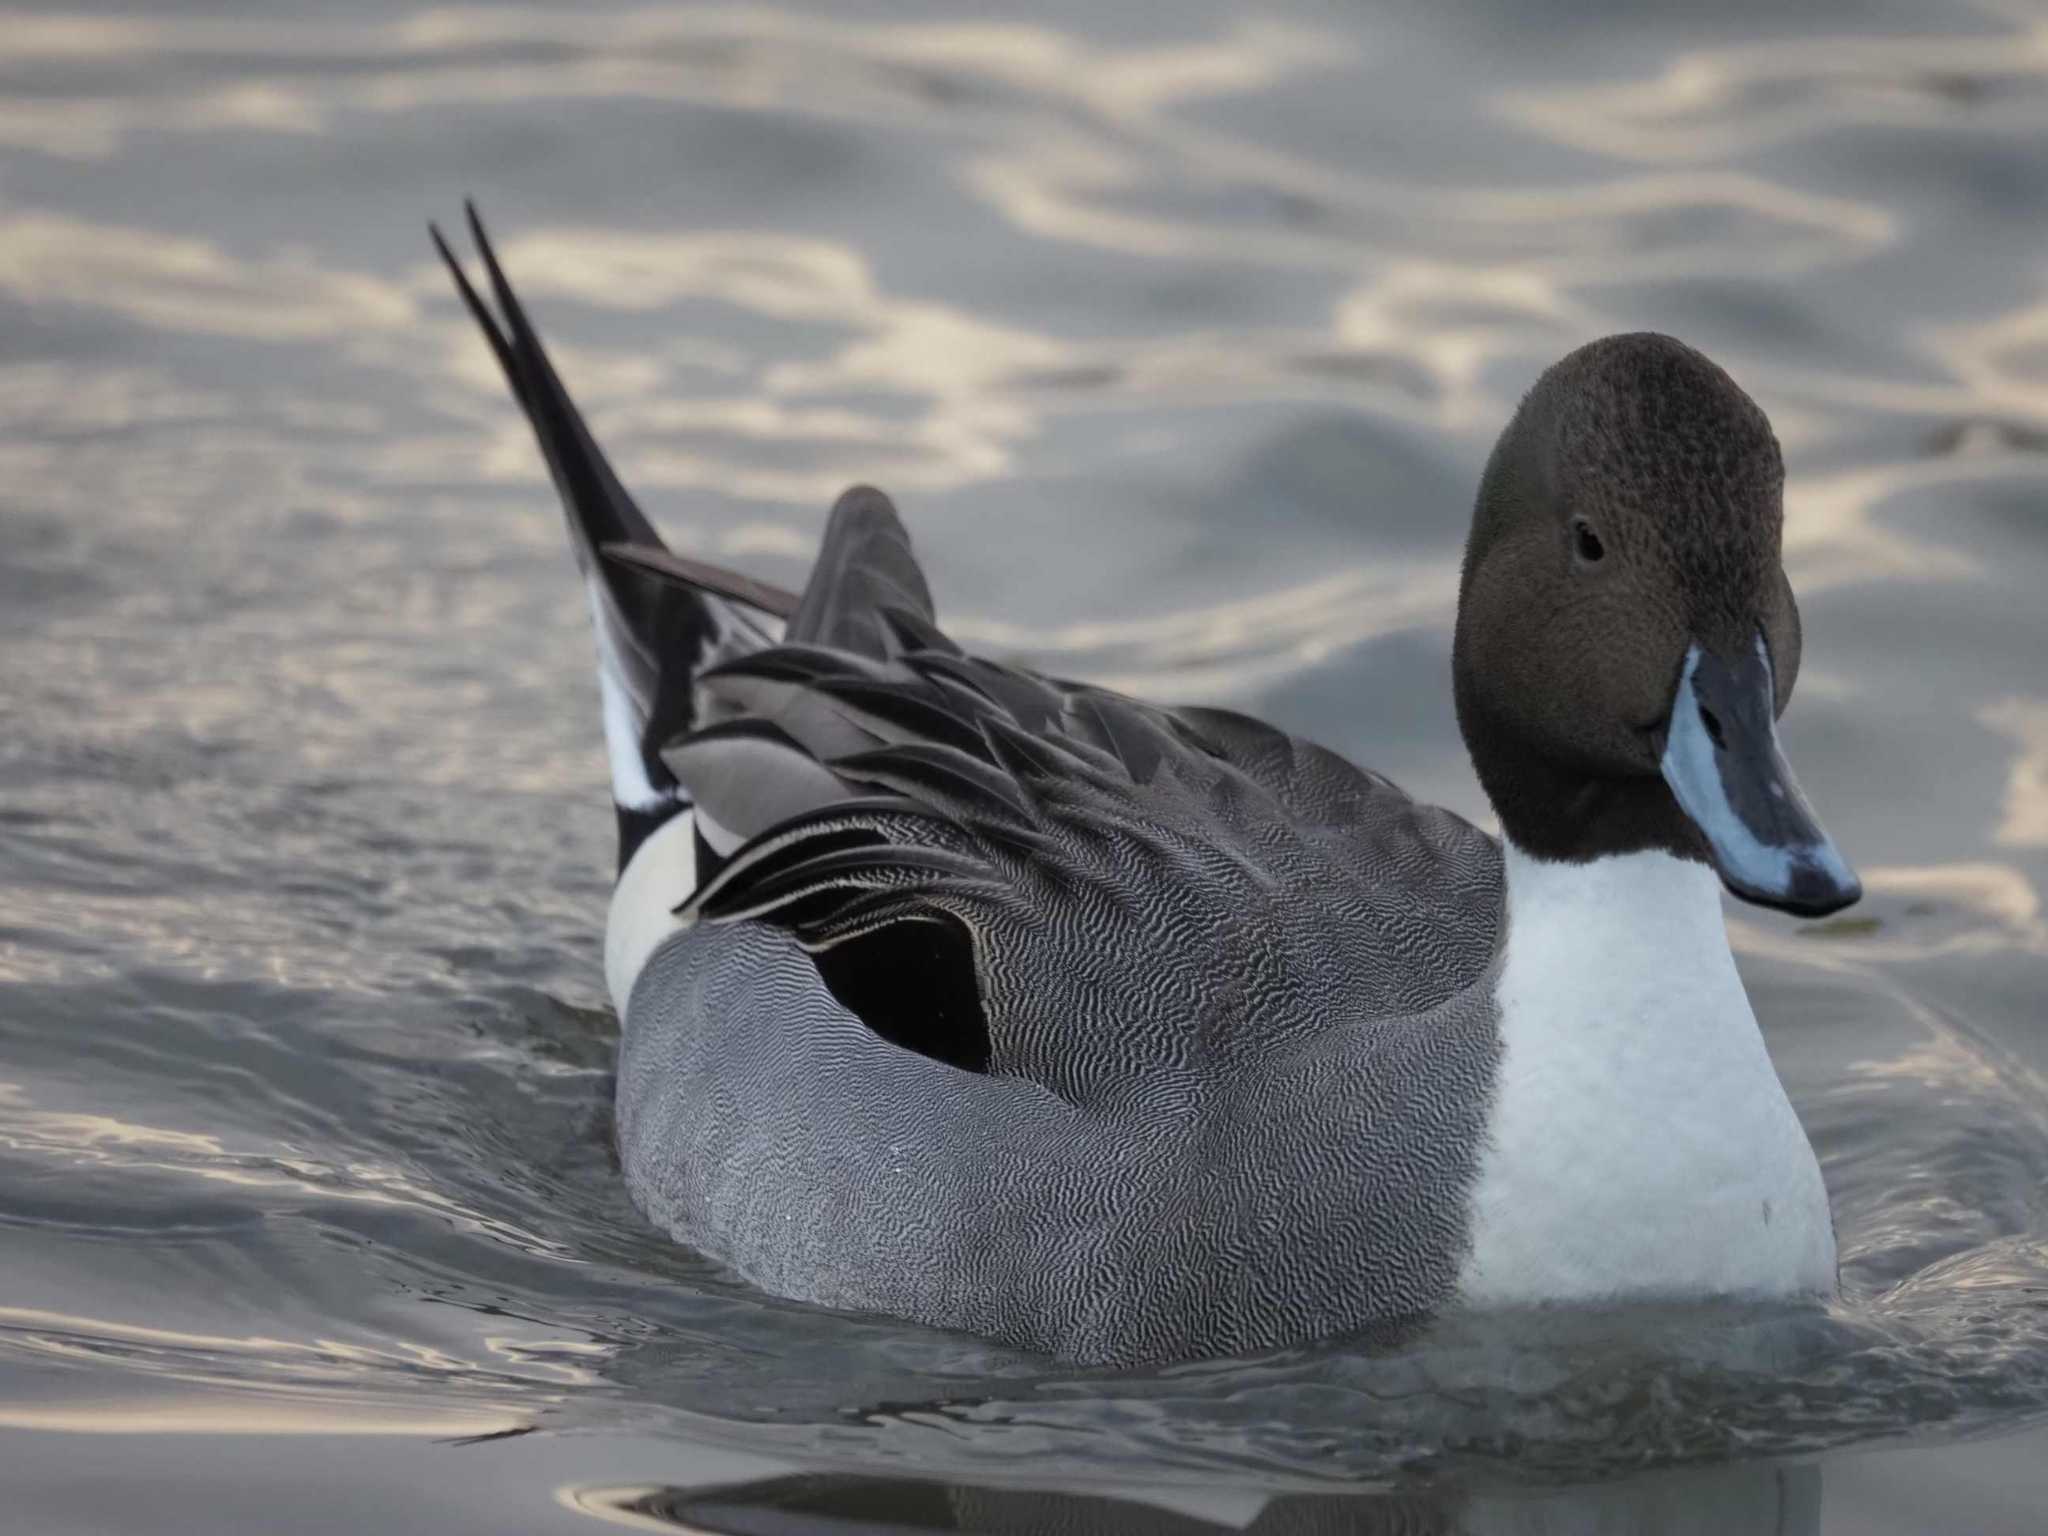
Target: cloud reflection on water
(1431, 295)
(168, 282)
(2024, 823)
(1721, 103)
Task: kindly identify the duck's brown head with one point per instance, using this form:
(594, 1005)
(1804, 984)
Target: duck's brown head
(1626, 635)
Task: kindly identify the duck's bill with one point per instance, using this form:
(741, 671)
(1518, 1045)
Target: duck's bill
(1722, 762)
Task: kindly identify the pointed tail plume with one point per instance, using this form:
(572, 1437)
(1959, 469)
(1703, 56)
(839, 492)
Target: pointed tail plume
(653, 636)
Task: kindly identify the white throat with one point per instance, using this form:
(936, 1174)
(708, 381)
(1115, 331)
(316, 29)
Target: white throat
(1640, 1143)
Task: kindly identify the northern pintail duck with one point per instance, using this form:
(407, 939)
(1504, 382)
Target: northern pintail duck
(1134, 1033)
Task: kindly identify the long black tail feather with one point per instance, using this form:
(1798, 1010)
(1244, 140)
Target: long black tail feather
(653, 636)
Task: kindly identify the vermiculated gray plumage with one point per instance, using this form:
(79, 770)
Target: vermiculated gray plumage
(1236, 997)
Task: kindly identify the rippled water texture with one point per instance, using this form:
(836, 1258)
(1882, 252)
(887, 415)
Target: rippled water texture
(1180, 334)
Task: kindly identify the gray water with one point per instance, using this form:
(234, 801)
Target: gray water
(1179, 334)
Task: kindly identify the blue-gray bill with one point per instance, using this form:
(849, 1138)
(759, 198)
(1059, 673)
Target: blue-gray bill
(1722, 762)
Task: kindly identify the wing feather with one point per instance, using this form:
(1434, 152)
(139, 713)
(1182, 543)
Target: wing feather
(749, 775)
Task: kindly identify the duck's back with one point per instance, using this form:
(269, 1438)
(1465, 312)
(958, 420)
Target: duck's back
(1139, 888)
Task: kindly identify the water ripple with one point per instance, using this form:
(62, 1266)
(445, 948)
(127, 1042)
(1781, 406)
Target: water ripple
(1182, 340)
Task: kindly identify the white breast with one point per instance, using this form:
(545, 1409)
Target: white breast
(1640, 1143)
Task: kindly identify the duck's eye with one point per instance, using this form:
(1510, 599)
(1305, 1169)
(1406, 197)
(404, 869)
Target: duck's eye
(1586, 542)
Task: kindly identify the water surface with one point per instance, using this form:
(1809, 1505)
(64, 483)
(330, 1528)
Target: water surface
(1180, 335)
